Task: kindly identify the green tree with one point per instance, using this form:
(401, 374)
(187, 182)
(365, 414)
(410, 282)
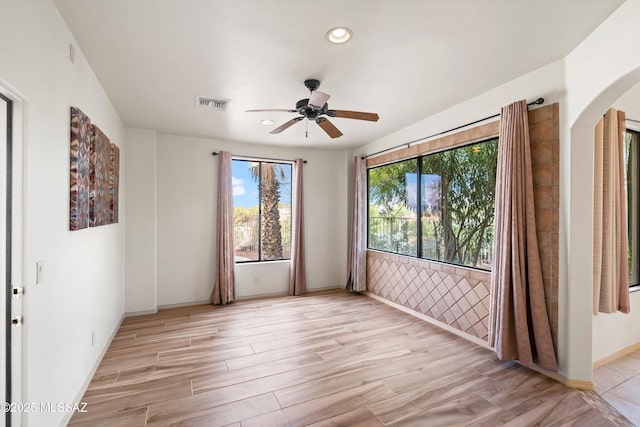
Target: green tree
(269, 176)
(466, 207)
(388, 188)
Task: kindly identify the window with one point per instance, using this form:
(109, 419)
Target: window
(453, 221)
(261, 210)
(632, 149)
(393, 221)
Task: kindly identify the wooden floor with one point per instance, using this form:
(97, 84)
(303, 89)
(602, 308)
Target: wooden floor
(329, 359)
(619, 384)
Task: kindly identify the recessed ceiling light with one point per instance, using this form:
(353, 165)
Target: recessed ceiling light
(339, 35)
(267, 122)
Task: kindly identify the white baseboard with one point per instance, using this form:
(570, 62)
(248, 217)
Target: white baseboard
(140, 313)
(183, 304)
(241, 298)
(87, 381)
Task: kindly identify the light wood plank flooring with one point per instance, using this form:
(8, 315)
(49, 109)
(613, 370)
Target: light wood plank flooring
(325, 359)
(618, 383)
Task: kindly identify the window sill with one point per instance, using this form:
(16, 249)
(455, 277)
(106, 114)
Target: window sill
(433, 261)
(277, 261)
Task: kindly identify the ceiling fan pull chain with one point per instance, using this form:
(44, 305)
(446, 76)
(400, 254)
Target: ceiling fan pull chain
(306, 129)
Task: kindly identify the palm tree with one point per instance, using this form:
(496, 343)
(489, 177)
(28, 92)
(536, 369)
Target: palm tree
(270, 194)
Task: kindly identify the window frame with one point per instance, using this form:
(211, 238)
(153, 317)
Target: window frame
(418, 243)
(419, 158)
(634, 223)
(261, 161)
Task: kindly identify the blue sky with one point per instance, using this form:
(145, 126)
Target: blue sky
(245, 189)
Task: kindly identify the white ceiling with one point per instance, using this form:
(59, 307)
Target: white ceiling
(407, 60)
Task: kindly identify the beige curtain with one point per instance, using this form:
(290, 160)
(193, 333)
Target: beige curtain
(610, 268)
(298, 271)
(357, 281)
(224, 287)
(519, 325)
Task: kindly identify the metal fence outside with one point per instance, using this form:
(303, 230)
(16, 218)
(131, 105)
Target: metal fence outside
(246, 236)
(399, 235)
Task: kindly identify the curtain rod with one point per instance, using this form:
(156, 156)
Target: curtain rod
(215, 153)
(408, 144)
(633, 120)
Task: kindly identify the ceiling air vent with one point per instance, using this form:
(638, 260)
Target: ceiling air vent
(211, 103)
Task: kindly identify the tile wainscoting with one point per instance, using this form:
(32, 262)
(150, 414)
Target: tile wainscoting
(456, 296)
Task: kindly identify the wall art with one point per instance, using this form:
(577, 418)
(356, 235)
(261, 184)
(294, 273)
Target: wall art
(94, 175)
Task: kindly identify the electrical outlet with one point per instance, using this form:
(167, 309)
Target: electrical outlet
(39, 272)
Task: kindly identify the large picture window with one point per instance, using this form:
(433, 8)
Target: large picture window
(261, 210)
(453, 221)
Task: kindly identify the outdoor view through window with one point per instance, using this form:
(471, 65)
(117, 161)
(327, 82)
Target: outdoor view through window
(631, 159)
(453, 221)
(261, 210)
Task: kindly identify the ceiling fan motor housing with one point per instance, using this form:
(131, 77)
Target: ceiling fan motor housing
(308, 111)
(312, 84)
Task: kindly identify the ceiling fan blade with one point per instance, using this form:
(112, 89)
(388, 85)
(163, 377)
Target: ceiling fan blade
(328, 127)
(286, 125)
(359, 115)
(271, 109)
(318, 99)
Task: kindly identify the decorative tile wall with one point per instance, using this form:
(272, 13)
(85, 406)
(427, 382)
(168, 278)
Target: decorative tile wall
(545, 164)
(456, 296)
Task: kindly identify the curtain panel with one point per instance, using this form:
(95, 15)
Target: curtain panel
(519, 325)
(224, 286)
(610, 264)
(298, 271)
(357, 263)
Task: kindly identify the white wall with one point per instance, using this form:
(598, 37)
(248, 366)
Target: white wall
(83, 289)
(186, 216)
(597, 73)
(616, 331)
(629, 102)
(546, 82)
(140, 211)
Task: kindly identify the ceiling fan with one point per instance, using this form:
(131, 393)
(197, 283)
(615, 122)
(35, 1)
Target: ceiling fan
(315, 108)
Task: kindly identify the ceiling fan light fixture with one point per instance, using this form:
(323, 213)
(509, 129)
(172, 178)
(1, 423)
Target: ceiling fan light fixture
(268, 122)
(339, 35)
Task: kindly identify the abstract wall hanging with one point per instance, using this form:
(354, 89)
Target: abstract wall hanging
(80, 147)
(99, 195)
(95, 175)
(114, 182)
